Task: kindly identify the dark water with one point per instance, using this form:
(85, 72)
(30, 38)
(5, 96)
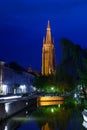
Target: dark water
(50, 117)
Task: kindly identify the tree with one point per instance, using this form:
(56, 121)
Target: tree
(72, 56)
(63, 79)
(44, 82)
(40, 81)
(66, 48)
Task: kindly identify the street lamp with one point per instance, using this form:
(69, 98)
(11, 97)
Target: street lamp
(52, 88)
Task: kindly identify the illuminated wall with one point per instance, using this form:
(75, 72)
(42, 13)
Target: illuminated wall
(14, 82)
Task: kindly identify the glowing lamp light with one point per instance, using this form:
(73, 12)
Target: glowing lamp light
(34, 88)
(52, 110)
(75, 95)
(26, 112)
(52, 88)
(26, 103)
(6, 128)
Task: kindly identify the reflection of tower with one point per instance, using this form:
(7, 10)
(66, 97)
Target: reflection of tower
(48, 54)
(45, 127)
(48, 126)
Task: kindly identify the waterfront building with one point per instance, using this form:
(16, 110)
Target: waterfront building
(48, 53)
(1, 75)
(34, 72)
(15, 80)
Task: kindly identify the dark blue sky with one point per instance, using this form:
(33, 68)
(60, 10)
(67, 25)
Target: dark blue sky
(23, 24)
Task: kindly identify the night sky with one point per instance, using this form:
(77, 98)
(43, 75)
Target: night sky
(23, 25)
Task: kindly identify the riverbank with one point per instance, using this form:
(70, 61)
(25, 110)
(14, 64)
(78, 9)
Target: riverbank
(11, 107)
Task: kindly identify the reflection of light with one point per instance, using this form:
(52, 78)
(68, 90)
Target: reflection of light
(84, 124)
(84, 113)
(7, 105)
(52, 110)
(85, 117)
(11, 97)
(34, 88)
(42, 103)
(26, 112)
(59, 105)
(4, 87)
(6, 128)
(26, 103)
(75, 95)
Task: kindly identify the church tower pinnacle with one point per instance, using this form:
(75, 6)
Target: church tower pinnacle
(48, 53)
(48, 33)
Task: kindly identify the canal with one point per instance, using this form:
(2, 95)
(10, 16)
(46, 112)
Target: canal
(47, 116)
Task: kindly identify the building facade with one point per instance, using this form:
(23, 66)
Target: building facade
(13, 81)
(48, 53)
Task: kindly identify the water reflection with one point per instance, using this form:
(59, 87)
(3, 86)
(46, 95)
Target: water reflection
(16, 121)
(84, 124)
(42, 103)
(55, 116)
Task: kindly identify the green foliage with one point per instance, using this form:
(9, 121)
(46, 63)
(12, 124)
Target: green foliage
(44, 82)
(72, 62)
(54, 116)
(67, 71)
(63, 79)
(79, 59)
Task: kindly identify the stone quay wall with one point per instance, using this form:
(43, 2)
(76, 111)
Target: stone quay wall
(9, 109)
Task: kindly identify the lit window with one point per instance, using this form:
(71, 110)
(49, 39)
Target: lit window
(4, 88)
(23, 88)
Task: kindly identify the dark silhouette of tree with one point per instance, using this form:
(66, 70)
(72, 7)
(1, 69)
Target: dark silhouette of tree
(67, 70)
(42, 81)
(71, 50)
(64, 80)
(66, 48)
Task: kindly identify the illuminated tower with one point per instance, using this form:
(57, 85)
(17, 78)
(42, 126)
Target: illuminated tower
(48, 54)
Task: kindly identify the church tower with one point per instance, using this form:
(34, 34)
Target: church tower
(48, 53)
